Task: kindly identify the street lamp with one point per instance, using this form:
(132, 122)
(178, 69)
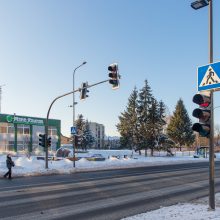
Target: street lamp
(197, 5)
(74, 103)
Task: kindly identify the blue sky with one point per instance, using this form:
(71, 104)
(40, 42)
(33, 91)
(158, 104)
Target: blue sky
(43, 41)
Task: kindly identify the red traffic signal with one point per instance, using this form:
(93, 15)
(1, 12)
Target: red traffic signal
(202, 100)
(203, 114)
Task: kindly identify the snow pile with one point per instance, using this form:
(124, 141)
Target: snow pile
(114, 159)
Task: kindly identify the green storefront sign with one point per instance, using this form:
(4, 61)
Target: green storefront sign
(24, 120)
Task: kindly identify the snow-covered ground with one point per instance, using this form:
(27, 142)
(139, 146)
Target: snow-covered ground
(25, 166)
(198, 210)
(186, 211)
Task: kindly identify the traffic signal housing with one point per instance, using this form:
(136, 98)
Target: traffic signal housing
(84, 91)
(203, 113)
(49, 142)
(114, 75)
(77, 140)
(42, 142)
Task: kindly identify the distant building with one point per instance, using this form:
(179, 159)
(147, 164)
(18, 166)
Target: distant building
(98, 132)
(21, 133)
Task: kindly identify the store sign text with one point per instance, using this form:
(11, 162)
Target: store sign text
(24, 120)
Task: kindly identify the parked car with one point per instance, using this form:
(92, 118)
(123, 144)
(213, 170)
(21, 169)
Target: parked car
(96, 157)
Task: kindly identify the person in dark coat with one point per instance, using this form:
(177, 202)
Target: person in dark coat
(9, 164)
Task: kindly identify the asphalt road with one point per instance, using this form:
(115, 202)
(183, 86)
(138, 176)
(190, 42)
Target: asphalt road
(101, 195)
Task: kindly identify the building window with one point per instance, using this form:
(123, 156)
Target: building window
(52, 131)
(23, 129)
(6, 128)
(11, 129)
(6, 145)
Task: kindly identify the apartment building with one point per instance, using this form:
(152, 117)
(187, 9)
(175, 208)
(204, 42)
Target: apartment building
(98, 132)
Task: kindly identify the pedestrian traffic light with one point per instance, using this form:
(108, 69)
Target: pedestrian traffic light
(114, 75)
(83, 91)
(49, 142)
(42, 140)
(203, 113)
(77, 140)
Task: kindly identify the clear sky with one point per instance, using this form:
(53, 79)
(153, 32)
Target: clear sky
(43, 41)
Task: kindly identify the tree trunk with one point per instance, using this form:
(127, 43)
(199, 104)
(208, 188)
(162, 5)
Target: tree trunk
(145, 152)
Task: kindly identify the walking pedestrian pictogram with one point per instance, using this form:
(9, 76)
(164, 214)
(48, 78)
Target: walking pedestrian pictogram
(209, 77)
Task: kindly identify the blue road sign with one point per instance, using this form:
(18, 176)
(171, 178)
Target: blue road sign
(209, 77)
(73, 130)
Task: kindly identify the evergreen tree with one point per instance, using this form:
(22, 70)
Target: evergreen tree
(153, 124)
(80, 123)
(144, 104)
(162, 115)
(87, 138)
(128, 122)
(179, 129)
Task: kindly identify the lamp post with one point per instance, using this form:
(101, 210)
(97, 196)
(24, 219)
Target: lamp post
(197, 5)
(74, 103)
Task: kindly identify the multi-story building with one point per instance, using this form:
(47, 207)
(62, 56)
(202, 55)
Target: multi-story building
(21, 133)
(98, 132)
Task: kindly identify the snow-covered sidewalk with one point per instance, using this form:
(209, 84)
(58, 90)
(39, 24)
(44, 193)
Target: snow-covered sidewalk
(197, 210)
(25, 166)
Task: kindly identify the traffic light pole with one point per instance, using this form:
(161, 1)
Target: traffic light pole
(211, 138)
(47, 119)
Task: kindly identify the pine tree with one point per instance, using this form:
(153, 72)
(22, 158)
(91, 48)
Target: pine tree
(179, 129)
(144, 104)
(80, 123)
(153, 124)
(87, 138)
(128, 122)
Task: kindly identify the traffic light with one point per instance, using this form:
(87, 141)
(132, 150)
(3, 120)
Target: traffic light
(77, 140)
(114, 75)
(203, 113)
(83, 91)
(42, 140)
(49, 142)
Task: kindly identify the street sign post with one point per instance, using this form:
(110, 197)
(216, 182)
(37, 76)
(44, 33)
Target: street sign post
(208, 77)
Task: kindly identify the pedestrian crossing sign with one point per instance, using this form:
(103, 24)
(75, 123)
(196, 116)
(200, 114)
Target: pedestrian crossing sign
(209, 77)
(73, 130)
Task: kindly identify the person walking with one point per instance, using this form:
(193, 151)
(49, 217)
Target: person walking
(9, 164)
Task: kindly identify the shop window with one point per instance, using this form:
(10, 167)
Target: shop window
(52, 131)
(3, 130)
(6, 128)
(26, 130)
(23, 129)
(11, 129)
